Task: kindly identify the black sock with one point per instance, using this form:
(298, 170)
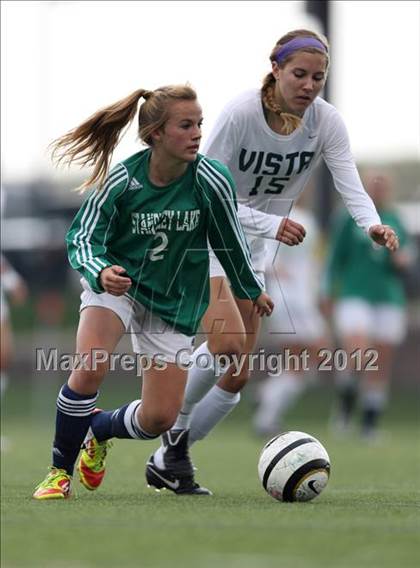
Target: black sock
(120, 423)
(74, 413)
(347, 394)
(370, 419)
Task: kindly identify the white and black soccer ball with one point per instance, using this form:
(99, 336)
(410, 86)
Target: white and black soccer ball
(294, 466)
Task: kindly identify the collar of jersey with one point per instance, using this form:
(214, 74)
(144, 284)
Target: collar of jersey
(171, 185)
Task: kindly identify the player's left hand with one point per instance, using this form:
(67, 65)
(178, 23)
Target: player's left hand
(290, 232)
(114, 280)
(384, 235)
(264, 304)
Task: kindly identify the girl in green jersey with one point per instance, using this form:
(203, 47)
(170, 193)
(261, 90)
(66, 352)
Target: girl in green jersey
(140, 244)
(364, 285)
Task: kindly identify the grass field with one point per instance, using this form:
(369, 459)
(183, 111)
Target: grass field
(369, 515)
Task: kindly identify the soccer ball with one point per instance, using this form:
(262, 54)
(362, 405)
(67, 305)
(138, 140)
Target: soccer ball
(294, 466)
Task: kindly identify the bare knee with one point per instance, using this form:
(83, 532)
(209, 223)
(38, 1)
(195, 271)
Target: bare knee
(157, 422)
(234, 380)
(85, 381)
(227, 344)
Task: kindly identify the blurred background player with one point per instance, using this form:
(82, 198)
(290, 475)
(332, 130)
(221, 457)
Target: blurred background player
(297, 325)
(271, 139)
(13, 287)
(365, 283)
(140, 243)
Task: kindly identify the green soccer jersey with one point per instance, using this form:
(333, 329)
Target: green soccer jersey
(358, 268)
(159, 235)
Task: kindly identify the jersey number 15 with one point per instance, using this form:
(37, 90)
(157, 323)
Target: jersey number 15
(275, 185)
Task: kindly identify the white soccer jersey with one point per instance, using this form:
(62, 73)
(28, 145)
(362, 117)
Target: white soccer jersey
(293, 273)
(271, 170)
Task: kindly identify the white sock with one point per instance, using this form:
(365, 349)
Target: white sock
(215, 406)
(278, 393)
(201, 377)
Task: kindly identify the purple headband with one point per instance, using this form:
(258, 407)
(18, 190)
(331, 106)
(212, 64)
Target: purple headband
(298, 43)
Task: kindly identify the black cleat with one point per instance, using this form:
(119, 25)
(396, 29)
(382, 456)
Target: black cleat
(178, 474)
(181, 485)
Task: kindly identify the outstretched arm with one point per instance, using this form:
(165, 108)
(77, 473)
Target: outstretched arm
(384, 235)
(339, 159)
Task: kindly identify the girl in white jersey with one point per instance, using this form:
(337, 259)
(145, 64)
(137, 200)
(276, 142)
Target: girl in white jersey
(271, 138)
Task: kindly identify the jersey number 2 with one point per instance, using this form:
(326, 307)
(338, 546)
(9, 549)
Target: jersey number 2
(157, 252)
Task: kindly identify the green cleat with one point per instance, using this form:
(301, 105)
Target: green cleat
(57, 485)
(91, 464)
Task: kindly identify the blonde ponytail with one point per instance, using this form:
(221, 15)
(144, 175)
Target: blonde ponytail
(290, 122)
(93, 141)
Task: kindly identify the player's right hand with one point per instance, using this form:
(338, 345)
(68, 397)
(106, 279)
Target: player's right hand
(114, 280)
(264, 305)
(385, 236)
(290, 232)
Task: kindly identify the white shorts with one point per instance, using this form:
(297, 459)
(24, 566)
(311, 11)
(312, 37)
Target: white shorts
(150, 335)
(297, 323)
(308, 324)
(385, 323)
(258, 259)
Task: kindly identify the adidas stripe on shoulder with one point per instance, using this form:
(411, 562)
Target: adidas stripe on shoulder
(117, 177)
(219, 183)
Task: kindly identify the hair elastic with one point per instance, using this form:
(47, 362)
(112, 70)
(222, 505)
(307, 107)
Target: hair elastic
(298, 43)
